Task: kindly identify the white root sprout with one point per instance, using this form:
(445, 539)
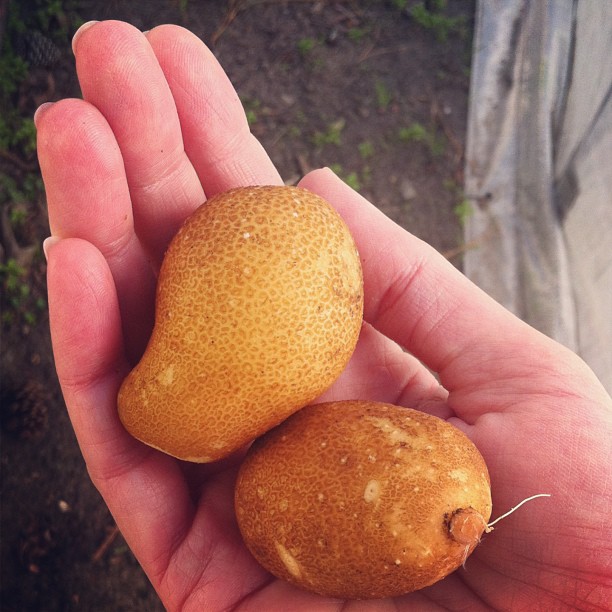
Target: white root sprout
(503, 516)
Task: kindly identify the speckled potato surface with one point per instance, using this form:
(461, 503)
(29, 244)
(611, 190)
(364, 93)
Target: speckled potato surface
(258, 309)
(362, 500)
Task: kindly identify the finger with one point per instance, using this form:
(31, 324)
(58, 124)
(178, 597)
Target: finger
(215, 129)
(380, 370)
(413, 295)
(88, 197)
(143, 488)
(120, 75)
(88, 349)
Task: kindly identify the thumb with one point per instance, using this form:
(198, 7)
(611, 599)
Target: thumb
(484, 355)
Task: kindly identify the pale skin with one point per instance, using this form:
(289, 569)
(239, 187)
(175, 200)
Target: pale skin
(159, 130)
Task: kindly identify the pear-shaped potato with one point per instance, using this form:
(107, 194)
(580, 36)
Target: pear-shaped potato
(258, 309)
(362, 500)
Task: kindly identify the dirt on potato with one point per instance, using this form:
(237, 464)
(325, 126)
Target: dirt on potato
(374, 89)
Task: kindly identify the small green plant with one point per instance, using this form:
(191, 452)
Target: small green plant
(366, 149)
(331, 136)
(350, 178)
(306, 45)
(463, 210)
(12, 70)
(383, 95)
(14, 127)
(306, 48)
(437, 144)
(417, 132)
(51, 16)
(294, 131)
(366, 174)
(27, 191)
(400, 5)
(451, 186)
(17, 133)
(299, 123)
(18, 215)
(17, 295)
(435, 19)
(251, 108)
(11, 273)
(26, 135)
(357, 34)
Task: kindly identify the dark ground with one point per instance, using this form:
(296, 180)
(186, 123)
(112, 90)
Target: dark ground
(373, 88)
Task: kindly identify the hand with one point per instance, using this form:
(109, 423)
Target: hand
(159, 129)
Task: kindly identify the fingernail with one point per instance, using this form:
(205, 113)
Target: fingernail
(47, 245)
(41, 110)
(79, 32)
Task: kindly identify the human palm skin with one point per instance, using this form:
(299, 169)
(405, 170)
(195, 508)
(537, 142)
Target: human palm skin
(161, 128)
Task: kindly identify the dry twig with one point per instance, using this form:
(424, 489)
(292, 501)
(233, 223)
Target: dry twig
(110, 538)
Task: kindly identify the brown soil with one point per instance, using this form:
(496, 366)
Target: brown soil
(359, 85)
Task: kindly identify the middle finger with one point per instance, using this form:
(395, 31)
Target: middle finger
(215, 129)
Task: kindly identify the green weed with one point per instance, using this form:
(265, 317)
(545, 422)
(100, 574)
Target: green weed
(437, 144)
(435, 20)
(463, 210)
(298, 124)
(251, 109)
(18, 295)
(331, 136)
(417, 132)
(13, 70)
(25, 135)
(450, 185)
(357, 34)
(18, 216)
(294, 132)
(366, 149)
(350, 178)
(383, 95)
(306, 45)
(27, 191)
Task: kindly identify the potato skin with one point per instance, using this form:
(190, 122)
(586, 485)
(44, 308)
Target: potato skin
(258, 309)
(355, 499)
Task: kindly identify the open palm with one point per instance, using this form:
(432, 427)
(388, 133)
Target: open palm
(160, 129)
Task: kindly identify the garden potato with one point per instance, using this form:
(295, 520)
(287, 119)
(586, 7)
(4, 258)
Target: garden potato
(258, 309)
(359, 499)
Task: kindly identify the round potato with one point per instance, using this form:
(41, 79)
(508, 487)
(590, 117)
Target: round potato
(362, 500)
(259, 307)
